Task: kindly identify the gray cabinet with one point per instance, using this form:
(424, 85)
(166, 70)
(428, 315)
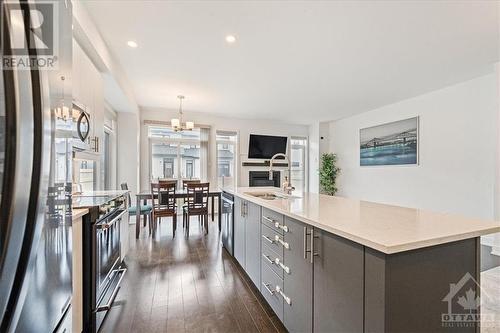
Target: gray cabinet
(338, 284)
(239, 231)
(297, 278)
(252, 241)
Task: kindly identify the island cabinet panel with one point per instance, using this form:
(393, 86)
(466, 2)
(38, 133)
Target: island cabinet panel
(269, 287)
(239, 230)
(273, 220)
(271, 238)
(297, 278)
(409, 291)
(252, 242)
(272, 259)
(338, 283)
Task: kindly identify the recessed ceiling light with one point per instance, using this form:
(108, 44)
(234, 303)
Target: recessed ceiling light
(230, 39)
(131, 43)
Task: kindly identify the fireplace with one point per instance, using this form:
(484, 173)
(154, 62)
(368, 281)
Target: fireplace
(261, 178)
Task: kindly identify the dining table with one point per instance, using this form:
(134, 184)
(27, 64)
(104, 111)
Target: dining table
(144, 196)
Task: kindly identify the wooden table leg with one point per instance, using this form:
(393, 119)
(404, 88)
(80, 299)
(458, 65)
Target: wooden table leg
(219, 198)
(137, 216)
(213, 206)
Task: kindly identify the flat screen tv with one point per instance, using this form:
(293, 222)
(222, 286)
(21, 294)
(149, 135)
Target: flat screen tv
(266, 146)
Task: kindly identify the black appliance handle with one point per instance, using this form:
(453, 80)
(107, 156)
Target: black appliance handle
(228, 201)
(82, 136)
(26, 169)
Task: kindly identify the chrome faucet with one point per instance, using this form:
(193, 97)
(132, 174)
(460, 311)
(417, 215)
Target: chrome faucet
(287, 186)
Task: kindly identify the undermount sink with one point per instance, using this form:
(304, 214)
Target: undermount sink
(269, 195)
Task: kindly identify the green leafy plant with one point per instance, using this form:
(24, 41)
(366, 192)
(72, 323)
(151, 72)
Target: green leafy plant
(328, 174)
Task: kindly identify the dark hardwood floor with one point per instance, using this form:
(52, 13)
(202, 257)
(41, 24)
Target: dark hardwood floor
(186, 285)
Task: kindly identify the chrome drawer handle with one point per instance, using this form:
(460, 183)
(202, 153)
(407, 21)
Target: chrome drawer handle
(268, 239)
(280, 226)
(266, 285)
(268, 259)
(267, 218)
(282, 242)
(283, 267)
(285, 297)
(277, 225)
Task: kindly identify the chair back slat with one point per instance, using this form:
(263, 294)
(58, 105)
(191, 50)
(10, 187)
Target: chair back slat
(168, 181)
(197, 196)
(166, 195)
(185, 182)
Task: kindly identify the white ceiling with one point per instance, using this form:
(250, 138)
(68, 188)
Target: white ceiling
(296, 61)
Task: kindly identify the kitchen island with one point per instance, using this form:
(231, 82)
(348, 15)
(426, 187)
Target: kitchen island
(331, 264)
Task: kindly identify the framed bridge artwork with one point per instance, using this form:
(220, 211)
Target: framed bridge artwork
(394, 143)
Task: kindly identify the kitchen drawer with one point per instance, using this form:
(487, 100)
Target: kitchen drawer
(268, 289)
(273, 220)
(272, 240)
(273, 260)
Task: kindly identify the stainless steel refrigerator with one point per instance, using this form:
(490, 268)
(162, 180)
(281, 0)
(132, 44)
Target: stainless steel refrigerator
(35, 167)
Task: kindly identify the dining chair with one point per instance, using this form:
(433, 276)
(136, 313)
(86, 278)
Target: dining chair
(164, 205)
(167, 181)
(196, 204)
(185, 182)
(145, 210)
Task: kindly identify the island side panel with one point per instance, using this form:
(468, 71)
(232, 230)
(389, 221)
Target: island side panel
(408, 288)
(374, 293)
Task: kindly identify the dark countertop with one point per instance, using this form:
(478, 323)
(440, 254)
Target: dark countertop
(95, 198)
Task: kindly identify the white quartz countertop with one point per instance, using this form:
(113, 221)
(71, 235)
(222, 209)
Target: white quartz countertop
(385, 228)
(111, 193)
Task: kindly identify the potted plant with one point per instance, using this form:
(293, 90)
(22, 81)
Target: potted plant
(328, 174)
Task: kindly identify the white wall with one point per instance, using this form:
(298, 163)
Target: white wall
(128, 133)
(243, 126)
(458, 133)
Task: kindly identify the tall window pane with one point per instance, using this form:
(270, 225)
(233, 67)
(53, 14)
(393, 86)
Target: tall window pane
(298, 161)
(190, 161)
(164, 160)
(226, 158)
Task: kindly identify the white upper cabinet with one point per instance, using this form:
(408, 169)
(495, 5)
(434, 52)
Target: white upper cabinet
(88, 90)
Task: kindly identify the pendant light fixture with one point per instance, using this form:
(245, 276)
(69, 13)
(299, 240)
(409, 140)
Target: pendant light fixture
(177, 124)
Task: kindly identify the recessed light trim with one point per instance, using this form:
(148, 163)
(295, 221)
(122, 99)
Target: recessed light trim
(230, 39)
(132, 44)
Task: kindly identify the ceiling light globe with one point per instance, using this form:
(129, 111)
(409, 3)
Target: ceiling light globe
(230, 39)
(132, 44)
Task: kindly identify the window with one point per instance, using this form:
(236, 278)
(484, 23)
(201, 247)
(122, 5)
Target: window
(226, 157)
(168, 168)
(84, 174)
(109, 150)
(177, 155)
(107, 161)
(298, 149)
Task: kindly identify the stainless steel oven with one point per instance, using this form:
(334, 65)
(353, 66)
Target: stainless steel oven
(107, 232)
(102, 265)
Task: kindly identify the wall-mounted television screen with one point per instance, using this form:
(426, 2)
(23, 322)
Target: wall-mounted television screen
(266, 146)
